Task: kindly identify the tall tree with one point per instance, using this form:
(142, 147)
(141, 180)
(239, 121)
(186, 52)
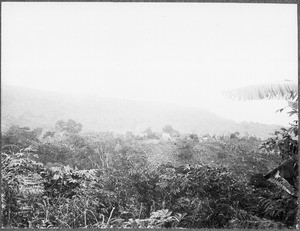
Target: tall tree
(287, 146)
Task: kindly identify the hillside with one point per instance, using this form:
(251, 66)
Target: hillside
(36, 108)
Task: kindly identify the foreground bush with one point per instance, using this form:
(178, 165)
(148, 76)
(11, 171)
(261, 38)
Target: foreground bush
(112, 184)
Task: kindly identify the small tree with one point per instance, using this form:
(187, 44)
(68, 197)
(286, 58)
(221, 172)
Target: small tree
(194, 138)
(70, 127)
(169, 130)
(20, 137)
(150, 133)
(234, 135)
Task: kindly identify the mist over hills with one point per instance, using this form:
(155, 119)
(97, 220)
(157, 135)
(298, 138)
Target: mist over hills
(37, 108)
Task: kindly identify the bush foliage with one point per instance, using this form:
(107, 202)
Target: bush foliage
(65, 179)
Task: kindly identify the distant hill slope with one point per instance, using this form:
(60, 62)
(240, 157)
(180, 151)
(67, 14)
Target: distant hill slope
(36, 108)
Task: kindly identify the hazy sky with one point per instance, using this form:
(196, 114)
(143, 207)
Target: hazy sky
(183, 53)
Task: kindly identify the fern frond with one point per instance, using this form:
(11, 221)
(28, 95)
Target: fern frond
(254, 222)
(287, 90)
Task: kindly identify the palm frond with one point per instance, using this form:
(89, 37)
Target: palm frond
(287, 90)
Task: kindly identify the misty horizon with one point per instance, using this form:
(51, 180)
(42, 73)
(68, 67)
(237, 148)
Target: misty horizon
(38, 108)
(186, 55)
(284, 120)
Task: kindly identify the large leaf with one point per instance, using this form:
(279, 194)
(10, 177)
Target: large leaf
(284, 185)
(287, 90)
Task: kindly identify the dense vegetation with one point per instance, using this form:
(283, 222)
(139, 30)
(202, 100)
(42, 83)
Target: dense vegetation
(68, 179)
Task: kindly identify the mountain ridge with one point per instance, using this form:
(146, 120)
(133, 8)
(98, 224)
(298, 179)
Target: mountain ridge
(38, 108)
